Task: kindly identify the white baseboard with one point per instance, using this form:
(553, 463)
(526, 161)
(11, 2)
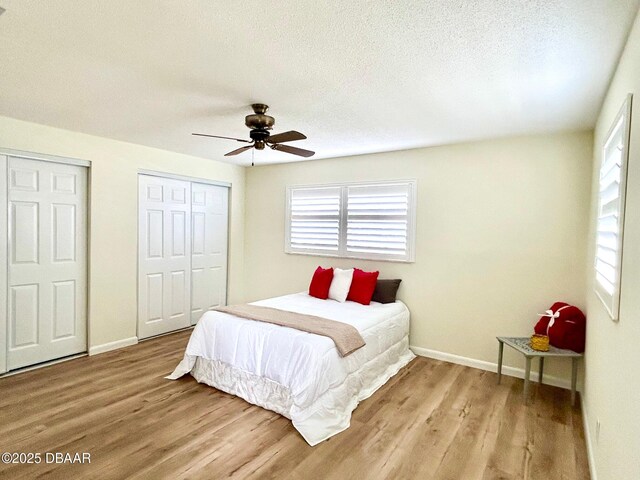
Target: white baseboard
(489, 366)
(587, 437)
(107, 347)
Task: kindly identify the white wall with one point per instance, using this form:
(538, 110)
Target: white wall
(612, 383)
(113, 210)
(501, 234)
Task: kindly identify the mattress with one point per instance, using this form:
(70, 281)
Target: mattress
(298, 374)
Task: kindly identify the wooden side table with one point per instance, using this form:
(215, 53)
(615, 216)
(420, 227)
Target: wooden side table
(521, 344)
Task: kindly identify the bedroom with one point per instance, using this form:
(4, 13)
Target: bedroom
(495, 128)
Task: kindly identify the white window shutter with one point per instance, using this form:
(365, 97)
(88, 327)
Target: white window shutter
(610, 222)
(378, 221)
(314, 219)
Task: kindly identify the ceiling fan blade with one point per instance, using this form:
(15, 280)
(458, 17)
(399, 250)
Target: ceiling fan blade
(295, 151)
(289, 136)
(238, 150)
(218, 136)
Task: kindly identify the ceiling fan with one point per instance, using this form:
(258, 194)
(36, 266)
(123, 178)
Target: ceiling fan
(260, 124)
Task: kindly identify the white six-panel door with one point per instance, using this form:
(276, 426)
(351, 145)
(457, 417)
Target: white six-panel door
(164, 263)
(182, 258)
(209, 223)
(47, 288)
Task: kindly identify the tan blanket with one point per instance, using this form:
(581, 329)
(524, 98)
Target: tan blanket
(345, 336)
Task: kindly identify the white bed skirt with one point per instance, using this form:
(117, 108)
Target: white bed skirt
(328, 415)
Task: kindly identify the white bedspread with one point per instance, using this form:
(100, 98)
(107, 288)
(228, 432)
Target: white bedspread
(298, 374)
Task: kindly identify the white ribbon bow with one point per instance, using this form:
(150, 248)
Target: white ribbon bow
(552, 316)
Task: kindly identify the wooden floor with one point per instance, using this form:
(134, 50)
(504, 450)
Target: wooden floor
(434, 420)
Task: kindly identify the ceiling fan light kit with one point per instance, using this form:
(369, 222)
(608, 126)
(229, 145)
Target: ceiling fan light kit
(260, 123)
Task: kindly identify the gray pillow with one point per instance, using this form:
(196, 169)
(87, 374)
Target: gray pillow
(386, 291)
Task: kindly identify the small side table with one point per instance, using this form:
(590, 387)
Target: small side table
(521, 344)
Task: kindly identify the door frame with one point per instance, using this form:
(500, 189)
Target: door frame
(185, 178)
(5, 154)
(4, 257)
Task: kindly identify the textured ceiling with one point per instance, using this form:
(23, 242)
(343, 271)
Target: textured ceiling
(355, 76)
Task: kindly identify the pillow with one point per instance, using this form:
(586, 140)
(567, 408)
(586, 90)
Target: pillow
(362, 286)
(340, 284)
(386, 291)
(321, 282)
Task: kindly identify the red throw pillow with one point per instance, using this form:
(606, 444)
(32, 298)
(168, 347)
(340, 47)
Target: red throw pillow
(565, 325)
(321, 282)
(362, 287)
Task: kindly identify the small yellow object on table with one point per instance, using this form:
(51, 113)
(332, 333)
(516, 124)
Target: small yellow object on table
(539, 342)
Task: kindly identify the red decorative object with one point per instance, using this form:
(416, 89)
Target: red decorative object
(362, 287)
(565, 325)
(321, 282)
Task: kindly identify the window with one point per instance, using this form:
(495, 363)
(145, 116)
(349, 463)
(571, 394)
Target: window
(611, 203)
(363, 220)
(314, 220)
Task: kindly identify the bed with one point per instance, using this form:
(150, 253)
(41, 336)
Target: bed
(297, 374)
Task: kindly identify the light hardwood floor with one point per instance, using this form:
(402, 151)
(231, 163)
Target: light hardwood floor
(434, 420)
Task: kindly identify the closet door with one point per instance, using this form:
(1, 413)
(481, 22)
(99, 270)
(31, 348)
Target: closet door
(164, 256)
(47, 261)
(209, 225)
